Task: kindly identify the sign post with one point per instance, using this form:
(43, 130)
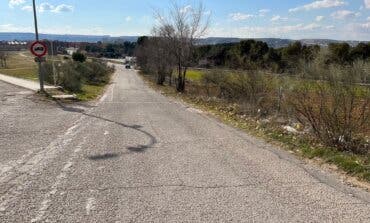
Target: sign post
(41, 76)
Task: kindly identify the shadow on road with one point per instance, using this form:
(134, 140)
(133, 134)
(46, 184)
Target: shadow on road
(137, 149)
(104, 156)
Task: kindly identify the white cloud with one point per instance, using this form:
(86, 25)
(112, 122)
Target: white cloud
(43, 7)
(47, 7)
(297, 31)
(14, 28)
(278, 18)
(186, 9)
(238, 16)
(128, 19)
(311, 26)
(13, 3)
(63, 8)
(263, 12)
(318, 5)
(278, 31)
(367, 4)
(275, 18)
(287, 31)
(344, 14)
(319, 18)
(365, 25)
(27, 8)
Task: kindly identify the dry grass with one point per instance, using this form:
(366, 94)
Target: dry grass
(21, 65)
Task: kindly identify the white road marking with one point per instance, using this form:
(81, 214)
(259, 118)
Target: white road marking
(90, 205)
(70, 130)
(28, 161)
(78, 149)
(67, 166)
(112, 93)
(54, 188)
(103, 98)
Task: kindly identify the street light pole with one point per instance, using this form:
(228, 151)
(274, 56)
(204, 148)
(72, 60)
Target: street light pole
(41, 76)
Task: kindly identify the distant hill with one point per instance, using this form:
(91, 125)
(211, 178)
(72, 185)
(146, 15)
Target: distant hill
(67, 38)
(276, 42)
(272, 42)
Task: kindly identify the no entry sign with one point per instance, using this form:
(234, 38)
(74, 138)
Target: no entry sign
(39, 49)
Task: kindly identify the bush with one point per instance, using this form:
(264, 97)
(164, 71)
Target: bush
(47, 70)
(254, 90)
(79, 57)
(66, 73)
(71, 75)
(95, 72)
(337, 109)
(71, 79)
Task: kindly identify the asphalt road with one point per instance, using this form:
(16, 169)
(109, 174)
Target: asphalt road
(138, 156)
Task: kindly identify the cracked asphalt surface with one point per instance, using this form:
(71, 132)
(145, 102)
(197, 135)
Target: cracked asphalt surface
(138, 156)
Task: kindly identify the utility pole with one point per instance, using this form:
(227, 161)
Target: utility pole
(41, 76)
(53, 58)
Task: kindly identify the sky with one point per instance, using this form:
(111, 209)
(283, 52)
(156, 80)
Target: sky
(294, 19)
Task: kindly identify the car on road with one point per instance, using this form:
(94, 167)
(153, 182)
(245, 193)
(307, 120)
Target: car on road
(128, 66)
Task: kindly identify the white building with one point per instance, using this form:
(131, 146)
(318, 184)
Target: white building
(71, 50)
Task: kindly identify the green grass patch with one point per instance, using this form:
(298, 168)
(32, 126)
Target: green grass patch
(194, 75)
(90, 92)
(30, 73)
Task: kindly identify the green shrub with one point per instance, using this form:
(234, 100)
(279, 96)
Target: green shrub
(79, 57)
(71, 75)
(71, 79)
(47, 70)
(95, 72)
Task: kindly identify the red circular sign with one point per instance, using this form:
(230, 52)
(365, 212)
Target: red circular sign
(39, 49)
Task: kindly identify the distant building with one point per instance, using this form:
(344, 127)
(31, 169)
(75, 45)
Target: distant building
(71, 50)
(13, 45)
(130, 59)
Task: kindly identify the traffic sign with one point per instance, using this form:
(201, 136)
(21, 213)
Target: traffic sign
(39, 49)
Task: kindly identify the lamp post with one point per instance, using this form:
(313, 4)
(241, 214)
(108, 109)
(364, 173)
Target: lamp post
(41, 76)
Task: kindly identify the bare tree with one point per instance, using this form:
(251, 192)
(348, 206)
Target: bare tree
(154, 57)
(181, 27)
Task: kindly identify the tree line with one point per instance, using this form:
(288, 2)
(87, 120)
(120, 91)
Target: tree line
(109, 50)
(253, 55)
(166, 52)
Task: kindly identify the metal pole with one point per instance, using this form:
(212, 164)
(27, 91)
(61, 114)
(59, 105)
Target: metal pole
(52, 53)
(41, 76)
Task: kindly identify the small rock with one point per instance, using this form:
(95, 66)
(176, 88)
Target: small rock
(290, 129)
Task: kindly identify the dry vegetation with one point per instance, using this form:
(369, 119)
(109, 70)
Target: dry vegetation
(18, 64)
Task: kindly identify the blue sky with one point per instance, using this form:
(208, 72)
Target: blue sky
(296, 19)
